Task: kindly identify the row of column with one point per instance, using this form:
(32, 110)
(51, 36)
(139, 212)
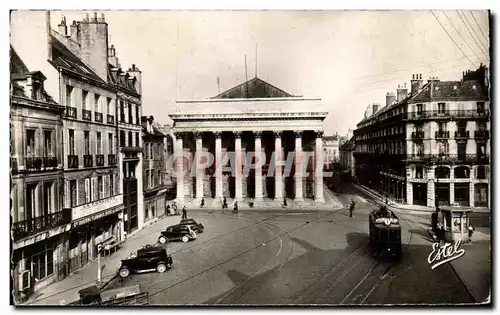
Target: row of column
(200, 172)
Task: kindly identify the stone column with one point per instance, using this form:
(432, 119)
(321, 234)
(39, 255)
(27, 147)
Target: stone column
(278, 177)
(199, 171)
(218, 165)
(178, 167)
(318, 174)
(299, 196)
(237, 173)
(258, 168)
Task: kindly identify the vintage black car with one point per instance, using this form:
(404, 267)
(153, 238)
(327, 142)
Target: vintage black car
(149, 258)
(195, 226)
(177, 232)
(385, 233)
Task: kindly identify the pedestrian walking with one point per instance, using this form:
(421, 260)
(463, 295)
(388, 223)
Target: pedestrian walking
(224, 203)
(202, 201)
(184, 213)
(284, 203)
(471, 231)
(351, 208)
(168, 210)
(235, 209)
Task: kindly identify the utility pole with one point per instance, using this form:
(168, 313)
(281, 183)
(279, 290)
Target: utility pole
(99, 264)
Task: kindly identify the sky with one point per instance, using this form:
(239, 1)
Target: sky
(349, 59)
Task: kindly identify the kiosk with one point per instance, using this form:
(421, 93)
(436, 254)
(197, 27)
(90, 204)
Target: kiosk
(455, 223)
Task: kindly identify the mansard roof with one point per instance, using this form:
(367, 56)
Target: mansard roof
(63, 58)
(451, 90)
(254, 88)
(122, 79)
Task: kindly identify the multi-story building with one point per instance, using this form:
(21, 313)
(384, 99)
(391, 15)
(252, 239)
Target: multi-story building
(153, 167)
(331, 148)
(448, 152)
(40, 221)
(431, 146)
(347, 161)
(82, 76)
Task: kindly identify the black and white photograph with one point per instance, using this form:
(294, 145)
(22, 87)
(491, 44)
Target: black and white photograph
(250, 157)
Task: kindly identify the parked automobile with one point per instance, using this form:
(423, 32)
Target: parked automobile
(149, 258)
(177, 232)
(197, 227)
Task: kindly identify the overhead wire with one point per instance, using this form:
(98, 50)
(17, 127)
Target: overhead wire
(458, 32)
(469, 27)
(447, 33)
(479, 26)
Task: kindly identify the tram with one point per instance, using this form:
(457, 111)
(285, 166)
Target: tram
(385, 233)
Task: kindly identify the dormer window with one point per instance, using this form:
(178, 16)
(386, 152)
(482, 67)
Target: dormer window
(37, 90)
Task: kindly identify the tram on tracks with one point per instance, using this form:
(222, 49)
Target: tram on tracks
(385, 234)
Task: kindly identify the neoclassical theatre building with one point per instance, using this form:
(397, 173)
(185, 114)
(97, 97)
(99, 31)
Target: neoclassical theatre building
(258, 119)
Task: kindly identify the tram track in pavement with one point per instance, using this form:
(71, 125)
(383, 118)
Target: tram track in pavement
(238, 255)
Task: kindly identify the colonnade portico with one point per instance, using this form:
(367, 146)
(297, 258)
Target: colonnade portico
(216, 182)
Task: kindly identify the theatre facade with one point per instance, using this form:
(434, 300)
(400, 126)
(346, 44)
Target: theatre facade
(254, 119)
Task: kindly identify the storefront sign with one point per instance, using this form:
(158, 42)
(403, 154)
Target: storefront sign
(96, 206)
(444, 253)
(96, 216)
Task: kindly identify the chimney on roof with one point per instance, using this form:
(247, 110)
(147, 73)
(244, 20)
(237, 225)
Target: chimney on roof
(375, 108)
(416, 83)
(390, 98)
(93, 39)
(73, 29)
(112, 58)
(62, 28)
(401, 92)
(137, 74)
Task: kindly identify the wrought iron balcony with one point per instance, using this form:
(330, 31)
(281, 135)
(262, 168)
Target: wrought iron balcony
(72, 161)
(111, 119)
(99, 160)
(417, 135)
(462, 134)
(50, 162)
(33, 163)
(482, 134)
(449, 114)
(98, 117)
(111, 159)
(25, 228)
(449, 158)
(88, 160)
(86, 114)
(442, 134)
(71, 112)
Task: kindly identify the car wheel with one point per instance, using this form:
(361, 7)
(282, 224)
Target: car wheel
(185, 239)
(161, 268)
(124, 272)
(162, 239)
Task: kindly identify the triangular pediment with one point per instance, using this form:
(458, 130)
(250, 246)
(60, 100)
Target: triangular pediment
(254, 88)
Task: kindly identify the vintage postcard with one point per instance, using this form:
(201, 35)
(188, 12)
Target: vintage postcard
(250, 158)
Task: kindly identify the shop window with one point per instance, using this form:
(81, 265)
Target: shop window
(41, 262)
(442, 172)
(419, 172)
(481, 172)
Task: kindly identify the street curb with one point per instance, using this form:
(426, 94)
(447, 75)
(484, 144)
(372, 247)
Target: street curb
(467, 286)
(391, 207)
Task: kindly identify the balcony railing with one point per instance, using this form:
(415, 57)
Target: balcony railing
(449, 158)
(462, 134)
(482, 134)
(449, 114)
(417, 135)
(32, 226)
(98, 117)
(88, 160)
(111, 119)
(111, 159)
(33, 163)
(50, 162)
(99, 160)
(71, 112)
(442, 134)
(72, 161)
(86, 114)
